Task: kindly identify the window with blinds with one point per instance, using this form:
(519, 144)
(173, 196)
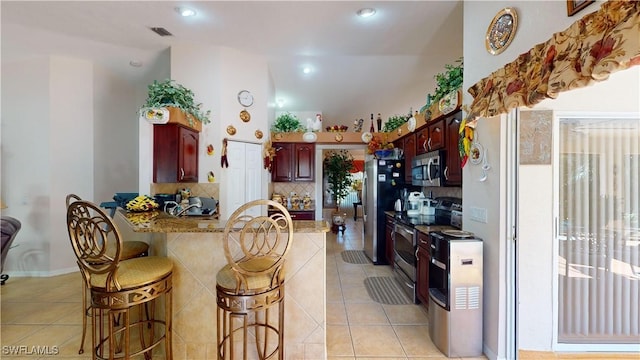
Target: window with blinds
(599, 231)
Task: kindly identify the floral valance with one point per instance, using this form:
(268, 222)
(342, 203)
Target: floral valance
(593, 47)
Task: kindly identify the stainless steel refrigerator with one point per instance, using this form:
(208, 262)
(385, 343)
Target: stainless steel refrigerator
(383, 180)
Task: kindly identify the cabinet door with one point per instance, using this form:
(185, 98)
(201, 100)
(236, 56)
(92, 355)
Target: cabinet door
(409, 154)
(175, 154)
(304, 162)
(422, 276)
(282, 163)
(436, 135)
(188, 160)
(422, 140)
(389, 241)
(453, 170)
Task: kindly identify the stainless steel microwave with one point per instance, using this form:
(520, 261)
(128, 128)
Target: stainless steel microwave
(428, 169)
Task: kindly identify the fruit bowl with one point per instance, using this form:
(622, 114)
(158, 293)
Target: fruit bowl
(383, 154)
(337, 128)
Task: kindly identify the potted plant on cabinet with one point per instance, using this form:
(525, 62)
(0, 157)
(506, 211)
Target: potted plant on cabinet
(286, 122)
(168, 101)
(337, 167)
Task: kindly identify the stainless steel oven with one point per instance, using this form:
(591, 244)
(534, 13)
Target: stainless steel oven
(404, 254)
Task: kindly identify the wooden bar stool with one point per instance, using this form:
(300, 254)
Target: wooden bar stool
(130, 250)
(252, 282)
(118, 286)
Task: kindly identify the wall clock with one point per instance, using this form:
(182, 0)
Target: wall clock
(501, 31)
(245, 98)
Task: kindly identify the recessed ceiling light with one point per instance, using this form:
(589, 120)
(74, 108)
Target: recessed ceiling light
(280, 102)
(366, 12)
(306, 70)
(186, 12)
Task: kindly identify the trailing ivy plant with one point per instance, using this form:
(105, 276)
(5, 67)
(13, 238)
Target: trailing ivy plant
(170, 93)
(286, 122)
(394, 122)
(337, 167)
(449, 80)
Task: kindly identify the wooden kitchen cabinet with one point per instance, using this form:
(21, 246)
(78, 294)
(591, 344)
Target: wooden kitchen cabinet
(389, 240)
(453, 170)
(293, 162)
(175, 154)
(409, 148)
(296, 214)
(436, 135)
(422, 268)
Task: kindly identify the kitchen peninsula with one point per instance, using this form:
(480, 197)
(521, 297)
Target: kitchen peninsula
(196, 247)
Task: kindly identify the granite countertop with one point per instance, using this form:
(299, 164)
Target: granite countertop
(424, 228)
(161, 222)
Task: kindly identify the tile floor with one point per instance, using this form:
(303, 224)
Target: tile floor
(359, 328)
(44, 312)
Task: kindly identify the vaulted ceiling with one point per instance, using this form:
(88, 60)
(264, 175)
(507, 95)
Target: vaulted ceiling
(384, 63)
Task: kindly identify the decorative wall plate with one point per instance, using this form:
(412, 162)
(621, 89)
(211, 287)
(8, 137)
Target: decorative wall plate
(258, 134)
(448, 103)
(339, 137)
(411, 124)
(366, 137)
(501, 31)
(309, 137)
(476, 152)
(245, 116)
(231, 130)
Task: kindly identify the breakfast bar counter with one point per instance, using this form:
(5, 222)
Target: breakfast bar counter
(196, 247)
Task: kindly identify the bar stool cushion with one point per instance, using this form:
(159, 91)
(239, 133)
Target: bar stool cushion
(259, 280)
(136, 272)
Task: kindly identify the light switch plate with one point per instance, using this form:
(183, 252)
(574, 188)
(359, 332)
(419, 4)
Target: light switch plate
(478, 214)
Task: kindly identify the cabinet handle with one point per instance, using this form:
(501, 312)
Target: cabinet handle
(423, 242)
(429, 143)
(424, 145)
(181, 173)
(446, 170)
(416, 255)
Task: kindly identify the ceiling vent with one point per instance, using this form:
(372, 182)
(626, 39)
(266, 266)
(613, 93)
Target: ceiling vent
(161, 31)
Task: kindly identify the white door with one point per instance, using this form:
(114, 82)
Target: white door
(243, 176)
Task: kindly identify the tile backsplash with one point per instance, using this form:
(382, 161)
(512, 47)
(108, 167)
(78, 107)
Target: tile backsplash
(197, 189)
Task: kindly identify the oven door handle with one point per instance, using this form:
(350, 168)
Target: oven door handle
(438, 264)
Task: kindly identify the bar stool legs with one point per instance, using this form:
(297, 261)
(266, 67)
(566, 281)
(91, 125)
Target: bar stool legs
(248, 321)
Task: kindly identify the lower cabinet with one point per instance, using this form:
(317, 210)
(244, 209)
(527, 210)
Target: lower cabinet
(389, 241)
(297, 214)
(423, 259)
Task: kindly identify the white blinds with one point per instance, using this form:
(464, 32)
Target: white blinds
(599, 232)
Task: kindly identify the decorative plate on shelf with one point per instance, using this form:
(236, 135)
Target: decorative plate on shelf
(411, 124)
(501, 31)
(309, 137)
(366, 137)
(339, 137)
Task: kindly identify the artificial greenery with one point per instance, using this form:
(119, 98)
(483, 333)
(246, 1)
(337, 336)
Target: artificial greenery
(170, 93)
(286, 122)
(337, 167)
(394, 122)
(449, 80)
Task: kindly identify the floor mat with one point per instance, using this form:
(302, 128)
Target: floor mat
(355, 257)
(386, 290)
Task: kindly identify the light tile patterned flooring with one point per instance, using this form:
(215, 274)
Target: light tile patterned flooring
(359, 328)
(45, 312)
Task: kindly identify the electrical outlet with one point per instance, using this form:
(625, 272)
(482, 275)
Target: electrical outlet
(478, 214)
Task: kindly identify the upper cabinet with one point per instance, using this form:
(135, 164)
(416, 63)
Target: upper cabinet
(175, 154)
(453, 169)
(430, 137)
(293, 162)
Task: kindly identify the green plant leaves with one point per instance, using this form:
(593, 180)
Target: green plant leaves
(170, 93)
(394, 122)
(337, 167)
(286, 122)
(449, 80)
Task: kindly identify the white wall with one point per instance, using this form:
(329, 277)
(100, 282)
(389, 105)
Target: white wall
(537, 21)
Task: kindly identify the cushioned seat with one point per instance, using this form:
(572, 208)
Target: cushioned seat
(252, 282)
(118, 286)
(129, 250)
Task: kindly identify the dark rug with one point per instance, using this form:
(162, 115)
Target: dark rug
(386, 290)
(355, 257)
